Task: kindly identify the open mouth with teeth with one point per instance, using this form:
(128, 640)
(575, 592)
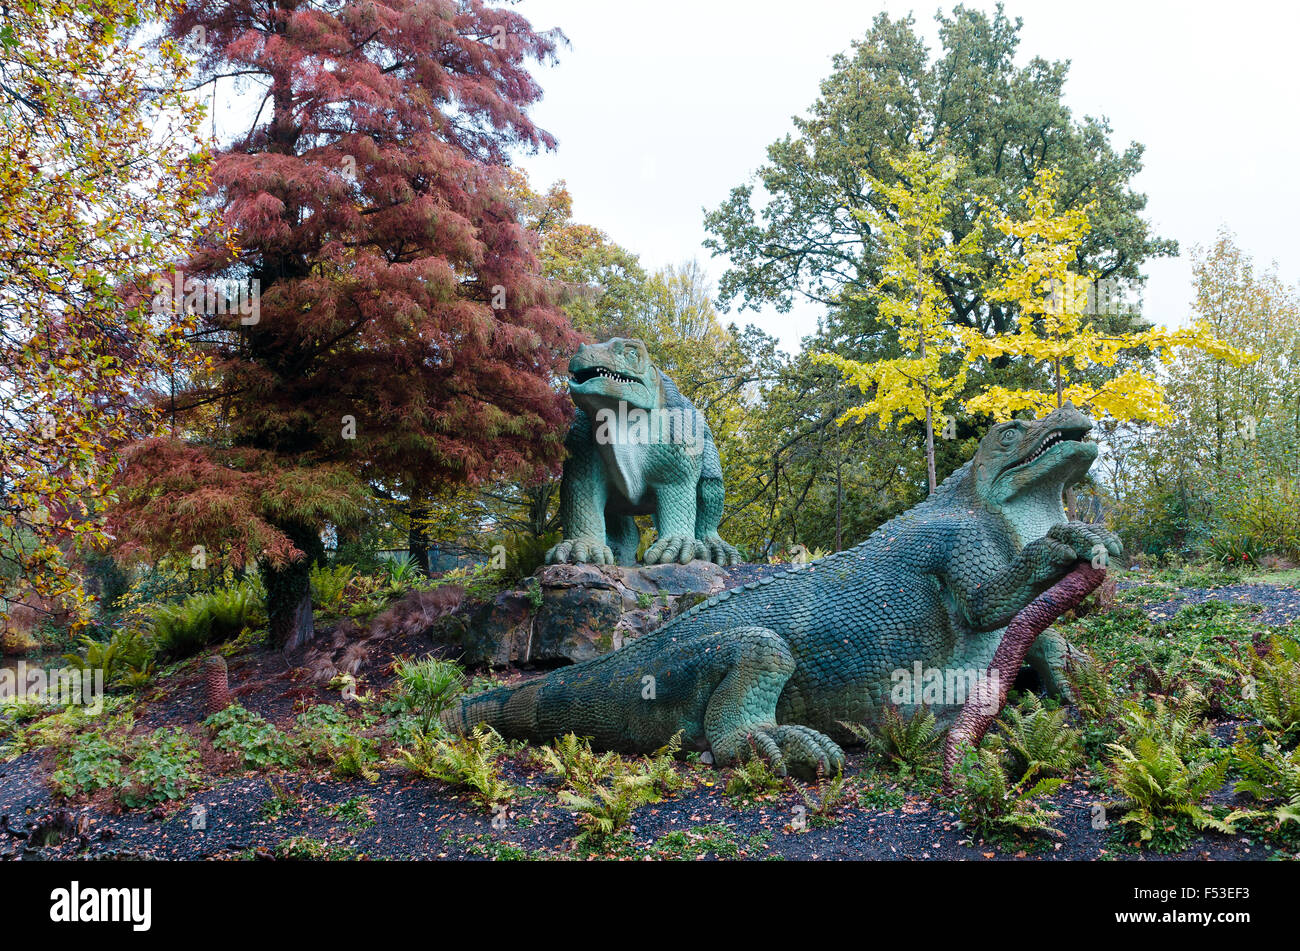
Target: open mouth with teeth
(591, 373)
(1055, 438)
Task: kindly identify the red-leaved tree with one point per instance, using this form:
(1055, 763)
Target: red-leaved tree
(403, 335)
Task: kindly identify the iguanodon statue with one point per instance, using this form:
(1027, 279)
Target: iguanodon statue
(637, 447)
(777, 665)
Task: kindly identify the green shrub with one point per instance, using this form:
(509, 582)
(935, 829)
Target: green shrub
(425, 689)
(1237, 551)
(303, 848)
(163, 767)
(92, 762)
(327, 734)
(259, 744)
(525, 552)
(185, 629)
(402, 573)
(141, 771)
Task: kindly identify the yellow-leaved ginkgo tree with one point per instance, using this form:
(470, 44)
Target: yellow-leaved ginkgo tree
(1057, 331)
(910, 219)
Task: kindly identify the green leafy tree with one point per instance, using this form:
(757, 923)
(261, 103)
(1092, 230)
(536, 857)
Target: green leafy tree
(919, 257)
(1002, 121)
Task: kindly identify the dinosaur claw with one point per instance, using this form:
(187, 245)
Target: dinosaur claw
(580, 551)
(800, 749)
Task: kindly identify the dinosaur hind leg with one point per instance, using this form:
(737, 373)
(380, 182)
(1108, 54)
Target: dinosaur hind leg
(623, 536)
(741, 713)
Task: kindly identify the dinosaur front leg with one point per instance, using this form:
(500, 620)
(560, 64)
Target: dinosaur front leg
(1050, 656)
(675, 522)
(583, 495)
(1036, 567)
(740, 716)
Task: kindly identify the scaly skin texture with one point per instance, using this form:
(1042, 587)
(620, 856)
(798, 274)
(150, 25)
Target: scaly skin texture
(777, 665)
(637, 447)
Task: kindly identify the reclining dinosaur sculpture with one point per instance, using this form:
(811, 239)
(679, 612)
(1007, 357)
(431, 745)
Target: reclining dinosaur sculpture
(778, 665)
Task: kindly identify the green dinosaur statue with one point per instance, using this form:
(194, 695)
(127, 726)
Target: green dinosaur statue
(779, 665)
(637, 447)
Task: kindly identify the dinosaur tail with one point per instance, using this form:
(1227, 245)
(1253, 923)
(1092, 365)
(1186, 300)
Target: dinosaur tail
(590, 699)
(511, 711)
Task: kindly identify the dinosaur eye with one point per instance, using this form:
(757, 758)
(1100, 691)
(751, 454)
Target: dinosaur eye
(1010, 436)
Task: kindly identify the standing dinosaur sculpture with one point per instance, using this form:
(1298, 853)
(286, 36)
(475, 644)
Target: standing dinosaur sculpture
(779, 665)
(637, 447)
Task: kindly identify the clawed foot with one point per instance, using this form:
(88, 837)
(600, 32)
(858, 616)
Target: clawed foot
(720, 552)
(1093, 543)
(675, 548)
(796, 749)
(580, 551)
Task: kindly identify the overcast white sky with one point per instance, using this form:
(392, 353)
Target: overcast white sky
(662, 107)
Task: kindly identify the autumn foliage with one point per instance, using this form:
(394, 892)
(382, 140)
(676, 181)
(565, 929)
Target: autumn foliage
(99, 184)
(405, 337)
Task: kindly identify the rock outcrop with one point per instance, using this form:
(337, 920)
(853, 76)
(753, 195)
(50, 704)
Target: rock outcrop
(571, 613)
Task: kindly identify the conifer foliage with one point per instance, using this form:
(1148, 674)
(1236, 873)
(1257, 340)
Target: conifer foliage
(404, 336)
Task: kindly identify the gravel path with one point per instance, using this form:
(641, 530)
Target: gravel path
(1281, 603)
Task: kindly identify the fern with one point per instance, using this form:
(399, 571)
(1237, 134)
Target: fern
(126, 658)
(830, 797)
(1161, 789)
(570, 758)
(472, 762)
(1162, 769)
(604, 810)
(184, 629)
(1271, 776)
(992, 806)
(1038, 740)
(328, 585)
(1177, 723)
(753, 779)
(911, 746)
(1274, 688)
(1094, 696)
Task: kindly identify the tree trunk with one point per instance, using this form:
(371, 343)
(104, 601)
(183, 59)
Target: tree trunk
(417, 541)
(288, 590)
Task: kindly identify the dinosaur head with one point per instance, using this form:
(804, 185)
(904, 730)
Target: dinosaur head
(1034, 458)
(618, 370)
